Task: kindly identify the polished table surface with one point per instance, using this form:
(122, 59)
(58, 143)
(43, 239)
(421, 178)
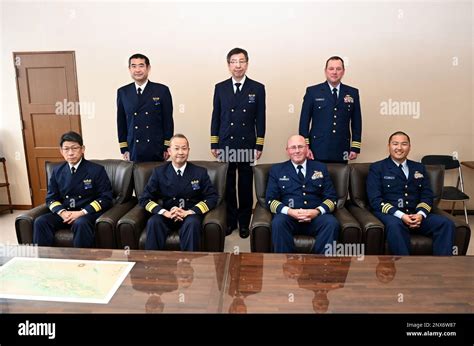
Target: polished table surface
(183, 282)
(469, 164)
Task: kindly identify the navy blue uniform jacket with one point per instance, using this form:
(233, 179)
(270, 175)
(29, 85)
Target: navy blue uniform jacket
(144, 126)
(89, 188)
(192, 191)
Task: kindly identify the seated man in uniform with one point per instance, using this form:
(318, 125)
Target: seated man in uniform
(187, 194)
(79, 191)
(400, 196)
(301, 195)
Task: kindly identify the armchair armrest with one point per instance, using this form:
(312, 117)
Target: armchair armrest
(130, 226)
(462, 234)
(350, 228)
(214, 228)
(24, 223)
(260, 230)
(372, 230)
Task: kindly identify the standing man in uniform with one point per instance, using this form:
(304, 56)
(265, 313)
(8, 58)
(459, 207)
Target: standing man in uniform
(331, 120)
(144, 115)
(187, 194)
(301, 194)
(79, 191)
(400, 195)
(237, 136)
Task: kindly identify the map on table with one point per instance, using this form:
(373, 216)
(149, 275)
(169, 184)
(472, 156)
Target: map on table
(62, 280)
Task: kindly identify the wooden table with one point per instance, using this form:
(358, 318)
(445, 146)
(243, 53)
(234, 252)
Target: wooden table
(183, 282)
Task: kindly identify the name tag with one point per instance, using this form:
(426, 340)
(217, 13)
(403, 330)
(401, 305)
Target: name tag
(418, 175)
(320, 99)
(284, 178)
(388, 177)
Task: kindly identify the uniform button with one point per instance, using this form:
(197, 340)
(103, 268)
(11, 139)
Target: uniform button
(406, 194)
(231, 137)
(174, 198)
(334, 124)
(304, 193)
(147, 140)
(187, 199)
(231, 124)
(320, 185)
(232, 110)
(319, 107)
(335, 116)
(406, 186)
(406, 202)
(80, 197)
(305, 202)
(406, 210)
(243, 137)
(335, 108)
(304, 186)
(388, 185)
(146, 113)
(245, 110)
(333, 131)
(67, 196)
(283, 187)
(137, 141)
(136, 127)
(243, 124)
(135, 113)
(147, 126)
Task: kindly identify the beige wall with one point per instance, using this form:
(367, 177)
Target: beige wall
(404, 52)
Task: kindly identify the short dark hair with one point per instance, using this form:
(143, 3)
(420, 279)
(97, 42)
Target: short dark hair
(139, 56)
(398, 133)
(234, 51)
(335, 57)
(71, 136)
(179, 135)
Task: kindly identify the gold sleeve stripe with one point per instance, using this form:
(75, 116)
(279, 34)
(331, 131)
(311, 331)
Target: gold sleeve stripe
(424, 205)
(167, 142)
(97, 207)
(54, 205)
(202, 207)
(214, 139)
(386, 207)
(274, 205)
(307, 140)
(150, 206)
(330, 204)
(260, 140)
(123, 144)
(356, 144)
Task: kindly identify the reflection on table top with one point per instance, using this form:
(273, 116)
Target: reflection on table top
(469, 164)
(183, 282)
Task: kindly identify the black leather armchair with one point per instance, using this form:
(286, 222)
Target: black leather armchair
(132, 226)
(373, 234)
(120, 175)
(260, 228)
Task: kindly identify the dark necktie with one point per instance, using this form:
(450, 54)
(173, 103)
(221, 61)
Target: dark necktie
(73, 170)
(237, 88)
(334, 95)
(300, 173)
(139, 93)
(179, 173)
(401, 168)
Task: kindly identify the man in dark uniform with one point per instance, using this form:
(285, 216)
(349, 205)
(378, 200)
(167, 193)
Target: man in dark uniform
(79, 191)
(331, 120)
(301, 195)
(400, 195)
(237, 135)
(144, 115)
(187, 194)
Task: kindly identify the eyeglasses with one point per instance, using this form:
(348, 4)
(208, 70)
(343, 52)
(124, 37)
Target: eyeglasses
(296, 147)
(235, 62)
(75, 148)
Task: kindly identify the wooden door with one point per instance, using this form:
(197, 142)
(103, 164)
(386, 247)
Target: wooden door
(49, 105)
